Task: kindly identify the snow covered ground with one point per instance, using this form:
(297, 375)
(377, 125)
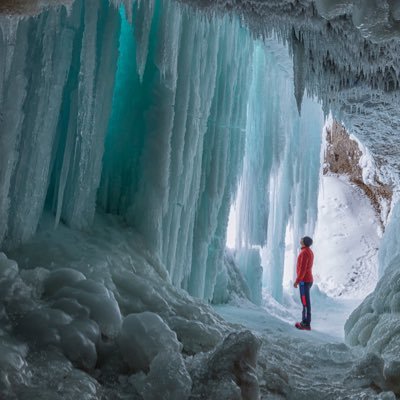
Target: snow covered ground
(318, 365)
(346, 240)
(297, 365)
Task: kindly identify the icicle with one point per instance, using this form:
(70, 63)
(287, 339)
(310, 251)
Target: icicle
(299, 69)
(143, 21)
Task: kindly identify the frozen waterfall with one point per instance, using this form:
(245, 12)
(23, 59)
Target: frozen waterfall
(159, 123)
(131, 131)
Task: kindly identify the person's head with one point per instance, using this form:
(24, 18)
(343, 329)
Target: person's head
(306, 241)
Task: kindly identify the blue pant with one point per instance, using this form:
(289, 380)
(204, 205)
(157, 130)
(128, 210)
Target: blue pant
(306, 301)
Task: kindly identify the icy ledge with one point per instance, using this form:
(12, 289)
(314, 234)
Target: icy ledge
(375, 324)
(94, 312)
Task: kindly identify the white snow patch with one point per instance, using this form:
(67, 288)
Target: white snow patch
(346, 240)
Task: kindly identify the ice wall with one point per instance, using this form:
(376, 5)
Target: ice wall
(279, 184)
(55, 104)
(175, 138)
(375, 324)
(175, 143)
(119, 108)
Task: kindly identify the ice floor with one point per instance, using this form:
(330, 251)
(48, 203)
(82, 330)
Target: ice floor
(329, 316)
(297, 365)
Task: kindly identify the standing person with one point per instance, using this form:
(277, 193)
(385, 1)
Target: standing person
(305, 280)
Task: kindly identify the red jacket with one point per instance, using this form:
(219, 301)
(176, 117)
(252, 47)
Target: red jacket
(304, 265)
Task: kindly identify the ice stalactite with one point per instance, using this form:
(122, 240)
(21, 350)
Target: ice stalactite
(55, 113)
(279, 185)
(188, 98)
(176, 137)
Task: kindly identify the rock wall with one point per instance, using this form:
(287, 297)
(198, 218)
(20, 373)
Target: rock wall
(343, 156)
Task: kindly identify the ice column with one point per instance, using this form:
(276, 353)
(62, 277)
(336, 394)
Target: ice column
(55, 103)
(279, 186)
(176, 138)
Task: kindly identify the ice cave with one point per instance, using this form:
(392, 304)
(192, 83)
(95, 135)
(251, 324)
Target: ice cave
(159, 162)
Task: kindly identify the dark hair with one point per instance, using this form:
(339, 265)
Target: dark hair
(307, 241)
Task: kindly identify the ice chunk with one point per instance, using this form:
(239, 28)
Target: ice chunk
(60, 278)
(101, 303)
(195, 335)
(330, 9)
(230, 282)
(389, 251)
(375, 324)
(77, 338)
(370, 368)
(43, 326)
(78, 341)
(229, 372)
(8, 268)
(168, 378)
(12, 363)
(143, 336)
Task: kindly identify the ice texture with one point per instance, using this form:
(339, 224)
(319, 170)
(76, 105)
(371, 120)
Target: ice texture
(155, 122)
(96, 309)
(163, 125)
(143, 337)
(279, 184)
(375, 324)
(168, 378)
(55, 108)
(249, 261)
(350, 61)
(230, 281)
(230, 370)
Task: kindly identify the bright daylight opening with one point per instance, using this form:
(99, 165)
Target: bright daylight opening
(347, 235)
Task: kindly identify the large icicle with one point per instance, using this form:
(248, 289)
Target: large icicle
(176, 137)
(279, 187)
(55, 102)
(185, 98)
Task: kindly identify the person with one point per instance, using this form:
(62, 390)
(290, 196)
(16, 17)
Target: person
(305, 280)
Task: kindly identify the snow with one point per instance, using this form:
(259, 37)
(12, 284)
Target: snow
(308, 364)
(346, 240)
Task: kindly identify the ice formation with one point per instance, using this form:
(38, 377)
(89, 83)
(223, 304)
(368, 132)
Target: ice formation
(375, 324)
(158, 132)
(124, 141)
(95, 314)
